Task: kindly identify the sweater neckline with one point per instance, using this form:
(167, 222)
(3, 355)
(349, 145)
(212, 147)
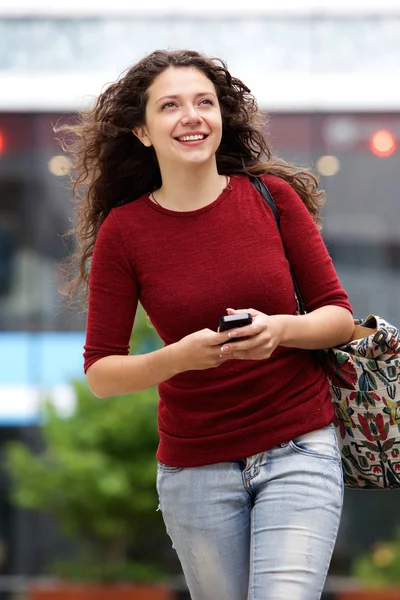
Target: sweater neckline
(197, 211)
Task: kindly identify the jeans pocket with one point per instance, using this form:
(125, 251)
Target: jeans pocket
(321, 443)
(162, 468)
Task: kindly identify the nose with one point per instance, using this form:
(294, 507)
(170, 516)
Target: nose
(191, 115)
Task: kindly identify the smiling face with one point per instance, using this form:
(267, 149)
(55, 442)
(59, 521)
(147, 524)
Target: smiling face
(183, 118)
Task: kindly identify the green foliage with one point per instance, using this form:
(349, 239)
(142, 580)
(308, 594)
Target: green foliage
(97, 462)
(96, 476)
(381, 566)
(97, 472)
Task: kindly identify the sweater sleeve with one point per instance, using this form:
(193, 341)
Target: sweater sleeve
(306, 251)
(113, 296)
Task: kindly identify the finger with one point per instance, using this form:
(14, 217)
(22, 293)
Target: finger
(252, 340)
(245, 355)
(244, 346)
(225, 350)
(246, 331)
(223, 337)
(231, 348)
(257, 348)
(248, 357)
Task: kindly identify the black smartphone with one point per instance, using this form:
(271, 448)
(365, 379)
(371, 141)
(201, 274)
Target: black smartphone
(233, 321)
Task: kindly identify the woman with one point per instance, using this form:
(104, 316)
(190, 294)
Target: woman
(249, 475)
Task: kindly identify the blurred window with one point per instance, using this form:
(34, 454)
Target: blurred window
(35, 207)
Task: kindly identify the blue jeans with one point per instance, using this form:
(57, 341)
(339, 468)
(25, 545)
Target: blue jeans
(261, 528)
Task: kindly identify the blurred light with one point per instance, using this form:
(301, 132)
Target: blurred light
(59, 165)
(341, 132)
(383, 556)
(328, 165)
(383, 143)
(2, 143)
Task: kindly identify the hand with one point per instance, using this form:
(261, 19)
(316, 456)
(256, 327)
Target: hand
(262, 336)
(200, 350)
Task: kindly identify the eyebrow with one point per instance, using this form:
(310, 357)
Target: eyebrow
(176, 97)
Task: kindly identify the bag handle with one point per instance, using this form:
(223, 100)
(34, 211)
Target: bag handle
(266, 194)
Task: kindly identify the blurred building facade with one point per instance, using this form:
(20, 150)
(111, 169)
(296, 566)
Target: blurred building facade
(327, 77)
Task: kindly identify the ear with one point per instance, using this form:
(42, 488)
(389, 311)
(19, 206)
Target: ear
(142, 135)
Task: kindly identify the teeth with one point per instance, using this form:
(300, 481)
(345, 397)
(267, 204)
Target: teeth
(191, 138)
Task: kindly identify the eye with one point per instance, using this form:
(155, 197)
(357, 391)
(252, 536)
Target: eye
(207, 101)
(168, 105)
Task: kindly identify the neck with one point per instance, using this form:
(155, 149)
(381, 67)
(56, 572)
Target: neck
(190, 189)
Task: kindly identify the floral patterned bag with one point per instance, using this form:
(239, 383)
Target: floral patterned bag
(364, 377)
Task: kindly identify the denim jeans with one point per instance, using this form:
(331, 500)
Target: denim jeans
(261, 528)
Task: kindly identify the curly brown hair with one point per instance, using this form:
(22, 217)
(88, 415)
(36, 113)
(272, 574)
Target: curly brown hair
(111, 167)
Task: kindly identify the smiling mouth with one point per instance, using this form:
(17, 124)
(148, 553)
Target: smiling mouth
(191, 138)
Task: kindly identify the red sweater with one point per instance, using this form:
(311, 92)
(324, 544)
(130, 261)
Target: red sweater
(186, 268)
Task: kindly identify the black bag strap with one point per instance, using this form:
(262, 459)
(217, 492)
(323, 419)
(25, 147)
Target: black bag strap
(266, 194)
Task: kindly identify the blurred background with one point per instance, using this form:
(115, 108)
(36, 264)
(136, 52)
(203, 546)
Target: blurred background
(328, 75)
